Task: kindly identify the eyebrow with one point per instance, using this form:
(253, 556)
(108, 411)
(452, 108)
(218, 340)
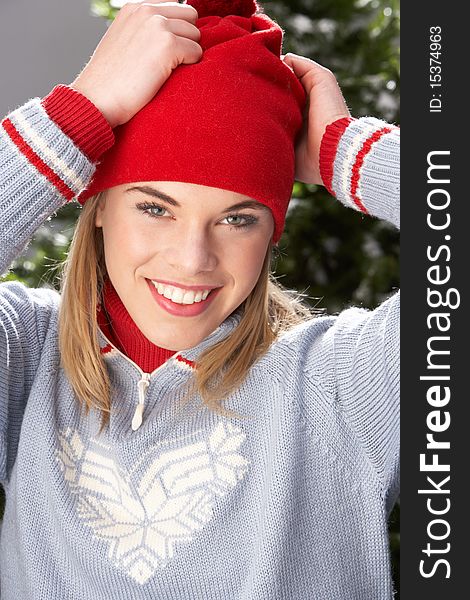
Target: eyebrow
(151, 191)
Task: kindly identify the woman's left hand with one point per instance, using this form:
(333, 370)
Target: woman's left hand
(325, 104)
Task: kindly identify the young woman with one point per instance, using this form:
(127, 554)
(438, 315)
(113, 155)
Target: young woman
(233, 445)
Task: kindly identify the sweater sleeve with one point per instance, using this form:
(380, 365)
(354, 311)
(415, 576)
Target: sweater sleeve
(48, 150)
(47, 154)
(360, 166)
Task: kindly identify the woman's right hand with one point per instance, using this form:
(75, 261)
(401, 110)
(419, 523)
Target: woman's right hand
(137, 54)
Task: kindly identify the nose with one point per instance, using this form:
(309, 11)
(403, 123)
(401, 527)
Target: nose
(192, 252)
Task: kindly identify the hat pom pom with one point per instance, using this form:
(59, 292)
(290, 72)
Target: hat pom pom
(223, 8)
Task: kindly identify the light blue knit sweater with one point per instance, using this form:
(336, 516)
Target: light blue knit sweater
(290, 504)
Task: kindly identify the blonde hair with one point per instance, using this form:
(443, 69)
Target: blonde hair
(269, 310)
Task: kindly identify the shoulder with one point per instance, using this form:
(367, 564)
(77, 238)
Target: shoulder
(25, 308)
(302, 352)
(39, 298)
(320, 329)
(324, 347)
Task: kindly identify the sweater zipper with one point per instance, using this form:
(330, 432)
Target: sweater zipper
(139, 409)
(142, 385)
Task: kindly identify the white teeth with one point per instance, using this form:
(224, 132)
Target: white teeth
(179, 295)
(188, 298)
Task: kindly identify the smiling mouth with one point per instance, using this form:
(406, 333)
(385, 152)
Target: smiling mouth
(187, 308)
(181, 296)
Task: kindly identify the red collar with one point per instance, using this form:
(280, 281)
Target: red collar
(118, 326)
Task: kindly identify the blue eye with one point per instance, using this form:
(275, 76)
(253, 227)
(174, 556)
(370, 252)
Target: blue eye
(148, 209)
(248, 220)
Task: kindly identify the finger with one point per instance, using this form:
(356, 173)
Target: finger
(301, 65)
(183, 29)
(172, 10)
(191, 51)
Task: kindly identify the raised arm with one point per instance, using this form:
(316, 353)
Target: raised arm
(362, 347)
(359, 353)
(47, 153)
(357, 160)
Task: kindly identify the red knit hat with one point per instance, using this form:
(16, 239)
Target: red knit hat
(229, 121)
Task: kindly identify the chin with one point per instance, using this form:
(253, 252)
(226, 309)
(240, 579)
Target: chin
(179, 336)
(176, 342)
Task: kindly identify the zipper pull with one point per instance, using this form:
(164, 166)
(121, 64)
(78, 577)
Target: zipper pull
(142, 387)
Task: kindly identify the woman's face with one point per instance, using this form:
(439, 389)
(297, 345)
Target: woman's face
(168, 243)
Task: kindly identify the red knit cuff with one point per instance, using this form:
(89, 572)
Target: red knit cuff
(328, 147)
(80, 120)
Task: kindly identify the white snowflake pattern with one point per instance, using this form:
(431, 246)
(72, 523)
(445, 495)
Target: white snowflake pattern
(142, 519)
